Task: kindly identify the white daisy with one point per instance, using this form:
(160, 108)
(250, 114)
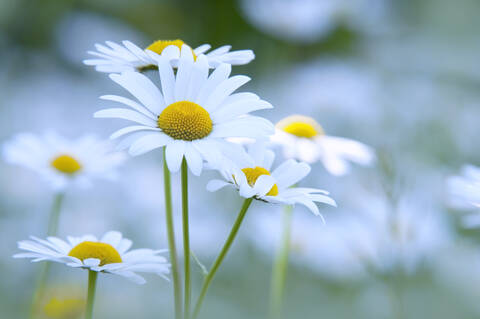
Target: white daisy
(61, 161)
(115, 58)
(252, 178)
(110, 255)
(191, 116)
(464, 191)
(302, 138)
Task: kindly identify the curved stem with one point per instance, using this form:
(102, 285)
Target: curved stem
(92, 283)
(186, 240)
(43, 273)
(280, 267)
(172, 248)
(221, 256)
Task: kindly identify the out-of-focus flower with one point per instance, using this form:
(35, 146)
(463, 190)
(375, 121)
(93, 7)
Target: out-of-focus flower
(252, 178)
(464, 191)
(62, 307)
(310, 20)
(115, 58)
(110, 254)
(61, 161)
(352, 246)
(192, 115)
(302, 138)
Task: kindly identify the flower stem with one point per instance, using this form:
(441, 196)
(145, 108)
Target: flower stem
(280, 267)
(177, 290)
(92, 283)
(186, 240)
(43, 273)
(221, 256)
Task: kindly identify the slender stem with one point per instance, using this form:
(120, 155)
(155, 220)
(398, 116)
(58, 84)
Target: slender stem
(177, 289)
(186, 240)
(43, 273)
(280, 267)
(221, 256)
(92, 283)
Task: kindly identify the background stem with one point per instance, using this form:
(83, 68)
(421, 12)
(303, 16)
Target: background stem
(42, 276)
(172, 248)
(186, 239)
(221, 256)
(92, 282)
(280, 267)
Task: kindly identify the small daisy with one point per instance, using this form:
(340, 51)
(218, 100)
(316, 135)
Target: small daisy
(253, 179)
(115, 58)
(304, 139)
(110, 255)
(464, 193)
(61, 161)
(191, 115)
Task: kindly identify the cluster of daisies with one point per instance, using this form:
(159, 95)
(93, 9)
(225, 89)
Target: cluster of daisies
(189, 107)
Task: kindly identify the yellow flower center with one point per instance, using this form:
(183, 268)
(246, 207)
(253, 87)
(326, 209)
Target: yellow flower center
(64, 308)
(160, 45)
(301, 126)
(252, 174)
(185, 120)
(102, 251)
(66, 164)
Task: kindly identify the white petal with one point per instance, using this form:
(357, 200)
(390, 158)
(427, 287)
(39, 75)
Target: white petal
(220, 74)
(224, 89)
(125, 114)
(148, 142)
(174, 154)
(184, 73)
(194, 159)
(130, 129)
(134, 105)
(247, 126)
(216, 184)
(290, 172)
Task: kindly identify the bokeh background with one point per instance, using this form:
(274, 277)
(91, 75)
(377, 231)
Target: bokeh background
(401, 76)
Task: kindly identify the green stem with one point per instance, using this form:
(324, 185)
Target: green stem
(221, 256)
(43, 273)
(186, 240)
(177, 290)
(280, 267)
(92, 283)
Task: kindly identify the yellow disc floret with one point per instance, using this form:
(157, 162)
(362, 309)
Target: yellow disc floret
(252, 174)
(301, 126)
(64, 308)
(185, 120)
(102, 251)
(160, 45)
(66, 164)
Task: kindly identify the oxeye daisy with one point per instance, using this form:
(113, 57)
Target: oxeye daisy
(255, 178)
(302, 138)
(464, 191)
(109, 254)
(191, 115)
(117, 58)
(61, 161)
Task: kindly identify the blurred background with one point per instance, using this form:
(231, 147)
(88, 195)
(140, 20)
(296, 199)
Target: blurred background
(401, 76)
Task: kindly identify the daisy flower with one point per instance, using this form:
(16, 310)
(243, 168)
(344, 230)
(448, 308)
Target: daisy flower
(464, 193)
(110, 254)
(253, 179)
(191, 115)
(116, 58)
(61, 161)
(302, 138)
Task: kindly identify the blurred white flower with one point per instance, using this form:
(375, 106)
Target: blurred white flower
(110, 255)
(309, 20)
(63, 162)
(352, 246)
(115, 58)
(464, 191)
(191, 116)
(302, 138)
(252, 178)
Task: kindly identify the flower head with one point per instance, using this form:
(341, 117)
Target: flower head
(302, 138)
(254, 178)
(192, 114)
(61, 161)
(110, 255)
(116, 58)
